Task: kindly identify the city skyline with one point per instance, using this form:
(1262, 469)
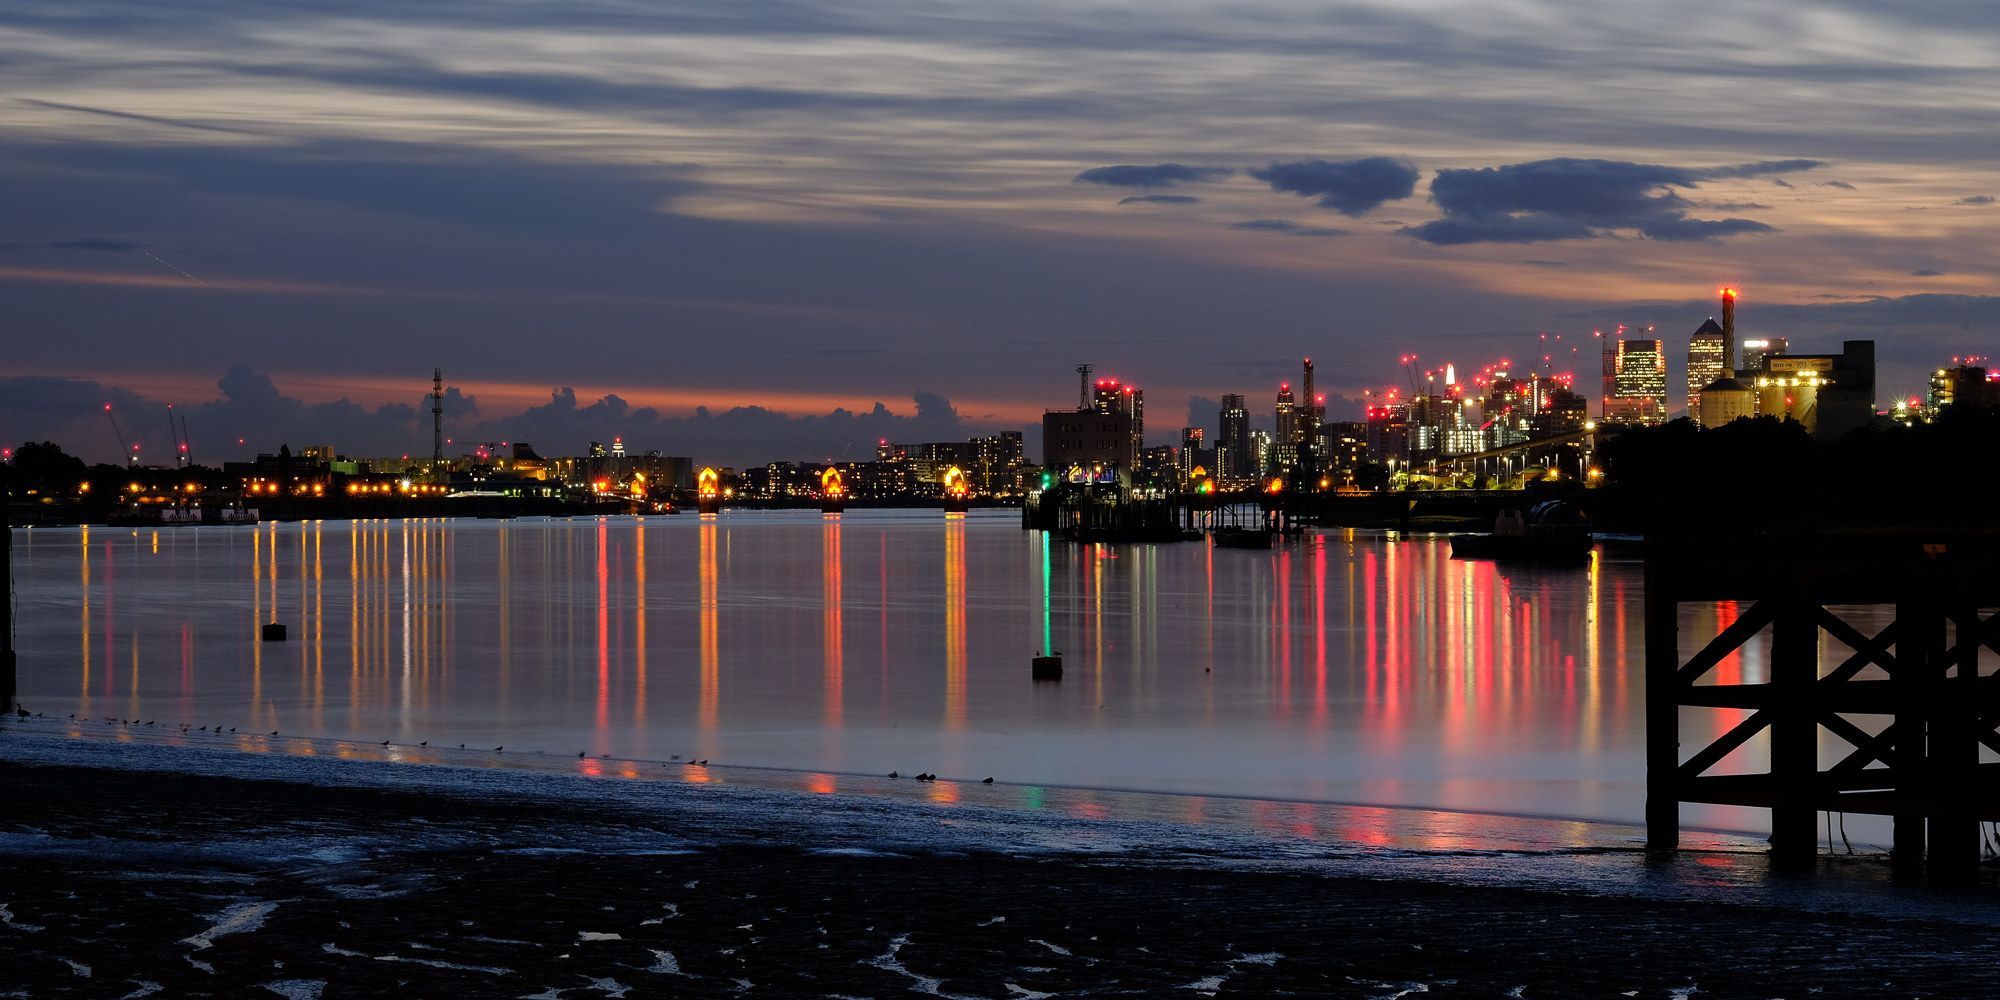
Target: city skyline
(804, 212)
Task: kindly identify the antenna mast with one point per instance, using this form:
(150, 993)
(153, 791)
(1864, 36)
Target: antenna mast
(1083, 387)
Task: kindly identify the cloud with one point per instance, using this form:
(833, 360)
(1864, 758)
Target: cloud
(1927, 273)
(1576, 199)
(1159, 199)
(1288, 227)
(1205, 413)
(70, 411)
(1159, 175)
(1977, 199)
(1758, 169)
(1843, 185)
(1351, 187)
(1547, 263)
(104, 244)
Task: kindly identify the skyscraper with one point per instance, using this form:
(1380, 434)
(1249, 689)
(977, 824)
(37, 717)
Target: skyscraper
(1287, 430)
(1232, 445)
(1755, 351)
(1639, 387)
(1114, 398)
(1709, 358)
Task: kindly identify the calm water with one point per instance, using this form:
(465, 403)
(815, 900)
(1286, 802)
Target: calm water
(1343, 667)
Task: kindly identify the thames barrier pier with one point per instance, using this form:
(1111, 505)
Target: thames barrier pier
(1907, 708)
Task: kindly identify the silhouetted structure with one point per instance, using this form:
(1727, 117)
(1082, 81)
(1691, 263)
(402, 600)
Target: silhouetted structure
(1922, 767)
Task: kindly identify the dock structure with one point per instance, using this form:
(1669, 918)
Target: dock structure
(1908, 705)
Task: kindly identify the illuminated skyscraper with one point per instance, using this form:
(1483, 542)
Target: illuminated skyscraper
(1639, 389)
(1113, 398)
(1232, 445)
(1708, 359)
(1755, 351)
(1287, 430)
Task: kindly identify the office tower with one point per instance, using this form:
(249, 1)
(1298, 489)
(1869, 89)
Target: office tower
(1610, 370)
(1191, 451)
(1755, 351)
(1708, 360)
(1114, 398)
(1232, 445)
(1639, 388)
(1287, 429)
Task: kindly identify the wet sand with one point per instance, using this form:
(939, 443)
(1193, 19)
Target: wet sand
(134, 883)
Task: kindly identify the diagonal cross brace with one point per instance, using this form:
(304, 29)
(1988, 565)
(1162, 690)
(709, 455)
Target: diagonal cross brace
(1866, 650)
(1726, 743)
(1753, 621)
(1985, 632)
(1867, 749)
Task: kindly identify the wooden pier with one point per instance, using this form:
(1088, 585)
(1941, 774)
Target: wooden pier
(1909, 702)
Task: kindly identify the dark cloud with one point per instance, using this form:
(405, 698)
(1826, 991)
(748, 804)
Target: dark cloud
(1843, 185)
(1576, 199)
(1204, 413)
(1159, 199)
(104, 244)
(1547, 263)
(1977, 199)
(1288, 227)
(1351, 187)
(1158, 175)
(1759, 169)
(1926, 273)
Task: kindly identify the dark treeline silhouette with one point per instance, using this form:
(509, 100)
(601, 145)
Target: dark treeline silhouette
(1761, 474)
(48, 471)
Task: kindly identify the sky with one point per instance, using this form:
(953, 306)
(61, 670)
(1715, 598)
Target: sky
(758, 231)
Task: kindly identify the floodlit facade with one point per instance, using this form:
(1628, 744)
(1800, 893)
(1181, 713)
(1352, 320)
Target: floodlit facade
(1639, 383)
(1709, 359)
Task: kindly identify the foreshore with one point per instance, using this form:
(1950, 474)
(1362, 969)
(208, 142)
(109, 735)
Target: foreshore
(138, 869)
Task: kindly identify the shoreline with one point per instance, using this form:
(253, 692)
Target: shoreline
(1123, 802)
(371, 877)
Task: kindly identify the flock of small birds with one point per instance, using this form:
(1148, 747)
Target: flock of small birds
(690, 762)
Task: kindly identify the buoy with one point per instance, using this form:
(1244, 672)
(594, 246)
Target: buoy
(1047, 668)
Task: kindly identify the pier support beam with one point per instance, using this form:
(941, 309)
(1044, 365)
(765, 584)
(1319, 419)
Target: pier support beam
(1794, 731)
(1663, 707)
(1917, 762)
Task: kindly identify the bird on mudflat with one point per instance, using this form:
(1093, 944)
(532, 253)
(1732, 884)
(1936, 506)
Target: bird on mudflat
(893, 774)
(987, 781)
(274, 732)
(425, 743)
(579, 753)
(385, 743)
(498, 749)
(232, 729)
(461, 746)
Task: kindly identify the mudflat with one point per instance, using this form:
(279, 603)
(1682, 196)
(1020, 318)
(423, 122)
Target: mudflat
(141, 883)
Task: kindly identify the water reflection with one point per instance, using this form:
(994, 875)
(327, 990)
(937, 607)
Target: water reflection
(1343, 667)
